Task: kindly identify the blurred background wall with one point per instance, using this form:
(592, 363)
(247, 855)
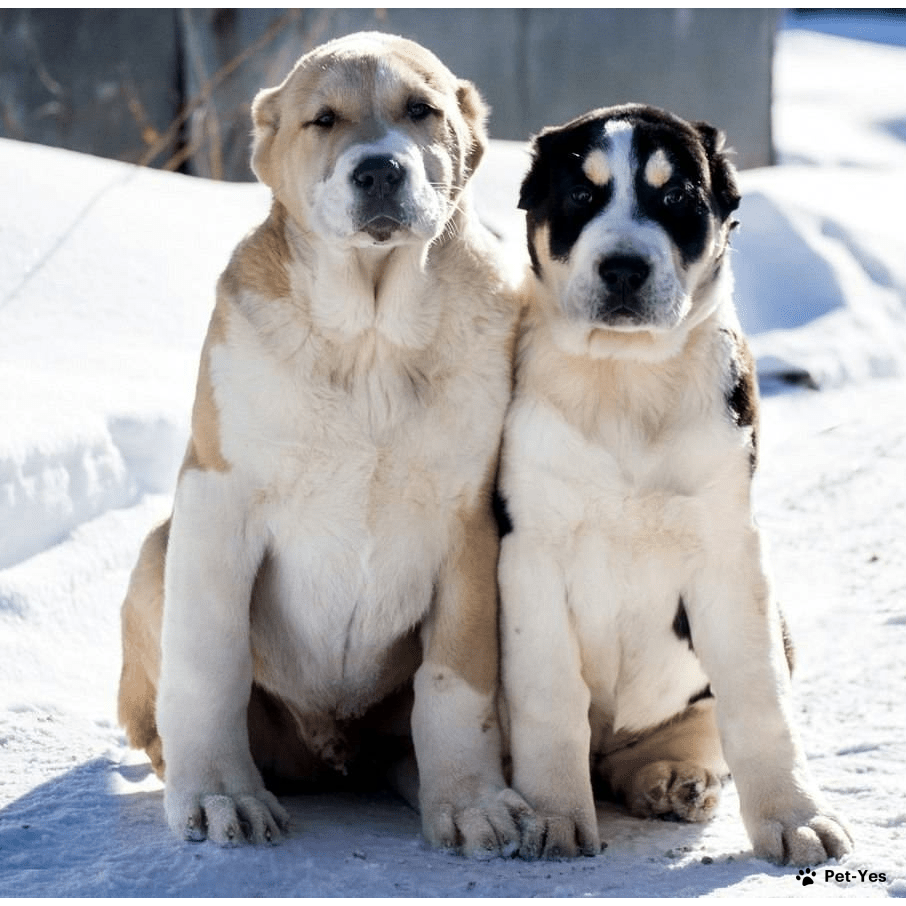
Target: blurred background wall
(173, 88)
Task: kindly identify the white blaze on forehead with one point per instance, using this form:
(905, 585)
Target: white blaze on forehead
(658, 170)
(619, 159)
(597, 167)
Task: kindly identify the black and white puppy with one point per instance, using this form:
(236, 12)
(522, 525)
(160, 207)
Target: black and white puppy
(638, 626)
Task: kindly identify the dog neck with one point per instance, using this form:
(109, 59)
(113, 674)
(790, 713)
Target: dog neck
(356, 291)
(569, 368)
(647, 347)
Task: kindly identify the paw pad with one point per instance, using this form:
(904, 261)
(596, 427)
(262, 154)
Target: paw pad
(806, 876)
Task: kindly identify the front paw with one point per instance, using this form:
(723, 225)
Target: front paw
(804, 834)
(228, 819)
(493, 825)
(559, 836)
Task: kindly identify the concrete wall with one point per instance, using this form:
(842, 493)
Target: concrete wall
(111, 82)
(100, 81)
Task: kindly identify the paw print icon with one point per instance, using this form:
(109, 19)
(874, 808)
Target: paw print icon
(805, 876)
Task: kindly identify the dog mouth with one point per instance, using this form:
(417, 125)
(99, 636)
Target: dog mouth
(381, 227)
(636, 313)
(617, 311)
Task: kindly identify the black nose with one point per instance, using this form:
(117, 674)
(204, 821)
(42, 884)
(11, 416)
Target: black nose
(624, 274)
(379, 176)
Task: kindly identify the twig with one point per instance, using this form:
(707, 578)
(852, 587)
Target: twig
(129, 91)
(179, 157)
(204, 94)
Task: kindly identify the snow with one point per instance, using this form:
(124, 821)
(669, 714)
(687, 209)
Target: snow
(106, 283)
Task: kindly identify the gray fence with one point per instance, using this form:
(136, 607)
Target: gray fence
(172, 88)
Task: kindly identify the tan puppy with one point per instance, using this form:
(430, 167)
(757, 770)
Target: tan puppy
(332, 538)
(636, 613)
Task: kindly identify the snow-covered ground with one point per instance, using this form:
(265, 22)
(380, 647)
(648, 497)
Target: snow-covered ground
(106, 280)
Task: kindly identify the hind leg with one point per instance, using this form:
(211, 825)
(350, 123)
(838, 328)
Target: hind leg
(275, 742)
(676, 771)
(141, 616)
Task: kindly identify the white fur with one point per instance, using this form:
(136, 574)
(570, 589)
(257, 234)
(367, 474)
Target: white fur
(333, 200)
(627, 482)
(354, 505)
(335, 500)
(369, 527)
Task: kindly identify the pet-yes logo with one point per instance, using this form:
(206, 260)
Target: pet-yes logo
(806, 876)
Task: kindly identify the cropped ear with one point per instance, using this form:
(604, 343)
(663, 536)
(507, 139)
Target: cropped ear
(475, 112)
(266, 122)
(723, 173)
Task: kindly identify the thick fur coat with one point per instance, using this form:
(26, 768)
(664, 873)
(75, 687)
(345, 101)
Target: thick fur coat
(641, 645)
(327, 579)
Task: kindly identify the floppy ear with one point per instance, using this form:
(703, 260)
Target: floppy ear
(475, 113)
(535, 189)
(723, 173)
(536, 183)
(266, 122)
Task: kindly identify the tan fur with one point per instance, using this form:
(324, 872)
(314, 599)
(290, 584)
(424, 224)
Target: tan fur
(658, 170)
(204, 446)
(141, 617)
(332, 537)
(683, 756)
(464, 636)
(597, 168)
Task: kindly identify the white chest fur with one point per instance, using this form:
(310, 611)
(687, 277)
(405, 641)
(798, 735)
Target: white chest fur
(353, 476)
(627, 499)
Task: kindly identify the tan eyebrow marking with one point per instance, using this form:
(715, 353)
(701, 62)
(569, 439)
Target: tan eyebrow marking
(658, 169)
(597, 168)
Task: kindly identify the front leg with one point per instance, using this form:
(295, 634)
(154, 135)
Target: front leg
(737, 635)
(548, 702)
(213, 788)
(464, 801)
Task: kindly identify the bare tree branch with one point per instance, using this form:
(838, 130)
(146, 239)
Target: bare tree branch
(171, 133)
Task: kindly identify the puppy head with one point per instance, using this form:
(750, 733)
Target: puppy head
(628, 217)
(369, 141)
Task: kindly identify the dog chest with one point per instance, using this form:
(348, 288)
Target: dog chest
(624, 600)
(629, 520)
(357, 521)
(647, 475)
(328, 609)
(356, 537)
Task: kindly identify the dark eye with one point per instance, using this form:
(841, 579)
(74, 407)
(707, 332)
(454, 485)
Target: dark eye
(325, 119)
(581, 196)
(676, 197)
(417, 110)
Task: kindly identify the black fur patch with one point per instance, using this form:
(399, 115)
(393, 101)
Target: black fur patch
(702, 184)
(680, 206)
(724, 189)
(548, 191)
(742, 394)
(501, 514)
(681, 627)
(701, 696)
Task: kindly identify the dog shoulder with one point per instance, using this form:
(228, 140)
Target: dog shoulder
(204, 452)
(252, 317)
